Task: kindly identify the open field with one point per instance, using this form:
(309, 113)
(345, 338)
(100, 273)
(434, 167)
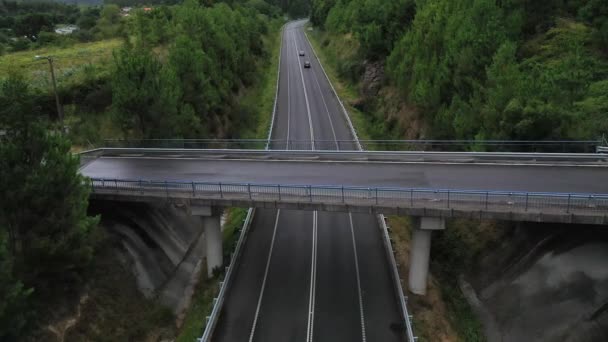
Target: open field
(69, 61)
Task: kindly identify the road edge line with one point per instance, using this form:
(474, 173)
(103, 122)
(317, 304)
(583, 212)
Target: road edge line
(361, 311)
(382, 224)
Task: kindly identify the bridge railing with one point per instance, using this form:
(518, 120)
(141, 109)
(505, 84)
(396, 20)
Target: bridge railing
(467, 200)
(556, 146)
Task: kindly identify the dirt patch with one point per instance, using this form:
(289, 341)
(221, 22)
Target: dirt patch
(407, 119)
(59, 329)
(115, 310)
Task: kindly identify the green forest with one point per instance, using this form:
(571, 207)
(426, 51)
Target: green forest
(484, 69)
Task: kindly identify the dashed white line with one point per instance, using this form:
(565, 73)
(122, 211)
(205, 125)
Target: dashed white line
(288, 110)
(257, 310)
(352, 231)
(331, 124)
(313, 261)
(312, 137)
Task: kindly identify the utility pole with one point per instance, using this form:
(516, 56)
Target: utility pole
(59, 109)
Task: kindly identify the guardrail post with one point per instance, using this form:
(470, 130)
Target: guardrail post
(103, 183)
(376, 196)
(193, 190)
(141, 189)
(448, 198)
(279, 186)
(412, 198)
(527, 194)
(92, 185)
(115, 184)
(310, 192)
(249, 189)
(167, 189)
(568, 208)
(221, 191)
(343, 194)
(487, 194)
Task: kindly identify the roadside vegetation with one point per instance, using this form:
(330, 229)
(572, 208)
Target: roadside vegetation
(182, 71)
(68, 61)
(465, 69)
(477, 69)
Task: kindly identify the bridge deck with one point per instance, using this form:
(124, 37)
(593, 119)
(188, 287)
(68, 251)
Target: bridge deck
(539, 191)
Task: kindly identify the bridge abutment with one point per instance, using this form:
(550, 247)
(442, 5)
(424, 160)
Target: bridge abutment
(211, 218)
(420, 251)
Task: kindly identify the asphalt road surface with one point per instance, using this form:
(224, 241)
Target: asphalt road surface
(309, 276)
(505, 177)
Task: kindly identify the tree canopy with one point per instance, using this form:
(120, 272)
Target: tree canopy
(46, 237)
(486, 69)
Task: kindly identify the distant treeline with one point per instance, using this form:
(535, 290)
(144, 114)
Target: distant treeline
(24, 25)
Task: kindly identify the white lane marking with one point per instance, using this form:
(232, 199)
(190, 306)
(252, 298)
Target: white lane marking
(312, 137)
(347, 116)
(313, 261)
(352, 230)
(288, 110)
(313, 280)
(331, 124)
(257, 310)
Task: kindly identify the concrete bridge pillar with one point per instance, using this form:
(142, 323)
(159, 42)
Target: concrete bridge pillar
(213, 236)
(420, 250)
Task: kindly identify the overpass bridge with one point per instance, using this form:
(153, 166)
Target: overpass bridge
(431, 186)
(540, 187)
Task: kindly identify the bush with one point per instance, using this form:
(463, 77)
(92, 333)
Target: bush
(20, 44)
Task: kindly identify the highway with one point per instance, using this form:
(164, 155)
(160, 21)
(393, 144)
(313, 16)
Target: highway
(309, 276)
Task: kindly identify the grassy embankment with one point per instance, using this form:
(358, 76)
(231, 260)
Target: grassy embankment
(443, 314)
(70, 62)
(337, 56)
(259, 99)
(81, 71)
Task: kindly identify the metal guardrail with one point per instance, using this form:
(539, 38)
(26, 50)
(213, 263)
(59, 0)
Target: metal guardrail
(219, 301)
(555, 146)
(396, 279)
(467, 200)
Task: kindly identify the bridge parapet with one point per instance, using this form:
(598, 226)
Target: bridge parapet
(516, 206)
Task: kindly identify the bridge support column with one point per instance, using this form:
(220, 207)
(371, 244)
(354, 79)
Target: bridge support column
(420, 250)
(211, 218)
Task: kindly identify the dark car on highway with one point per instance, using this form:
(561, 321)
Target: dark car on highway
(307, 64)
